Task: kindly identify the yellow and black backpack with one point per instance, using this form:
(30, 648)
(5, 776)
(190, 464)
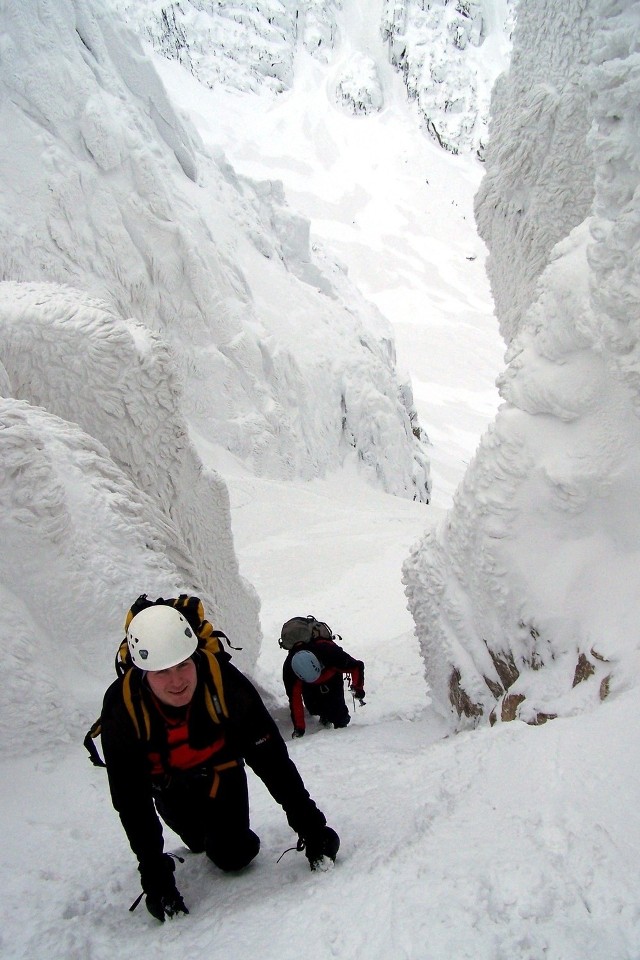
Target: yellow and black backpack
(208, 645)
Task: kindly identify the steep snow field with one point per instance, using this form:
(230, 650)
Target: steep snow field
(516, 841)
(396, 212)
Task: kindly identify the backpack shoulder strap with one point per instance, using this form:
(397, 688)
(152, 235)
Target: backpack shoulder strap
(131, 693)
(214, 687)
(134, 702)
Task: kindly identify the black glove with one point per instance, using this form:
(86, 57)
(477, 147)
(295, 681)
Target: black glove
(358, 694)
(324, 842)
(162, 896)
(297, 732)
(161, 907)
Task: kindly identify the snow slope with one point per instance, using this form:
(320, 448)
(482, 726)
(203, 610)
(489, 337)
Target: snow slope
(512, 841)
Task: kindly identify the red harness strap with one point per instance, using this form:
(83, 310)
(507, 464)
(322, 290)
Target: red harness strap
(181, 756)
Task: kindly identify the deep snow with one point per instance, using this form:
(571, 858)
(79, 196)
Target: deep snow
(516, 841)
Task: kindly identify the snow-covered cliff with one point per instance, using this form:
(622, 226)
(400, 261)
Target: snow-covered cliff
(448, 54)
(539, 180)
(103, 494)
(111, 192)
(154, 307)
(526, 598)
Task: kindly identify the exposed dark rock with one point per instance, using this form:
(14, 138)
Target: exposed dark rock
(584, 670)
(542, 718)
(505, 667)
(495, 687)
(510, 706)
(460, 699)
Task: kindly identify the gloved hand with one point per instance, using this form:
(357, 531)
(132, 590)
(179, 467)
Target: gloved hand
(162, 896)
(324, 842)
(297, 732)
(161, 907)
(358, 694)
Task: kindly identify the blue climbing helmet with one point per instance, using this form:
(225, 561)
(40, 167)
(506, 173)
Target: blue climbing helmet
(306, 666)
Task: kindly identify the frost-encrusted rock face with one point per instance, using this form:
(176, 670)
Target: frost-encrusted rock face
(614, 256)
(448, 52)
(247, 45)
(525, 600)
(539, 180)
(76, 358)
(92, 517)
(438, 47)
(111, 192)
(319, 26)
(80, 540)
(358, 89)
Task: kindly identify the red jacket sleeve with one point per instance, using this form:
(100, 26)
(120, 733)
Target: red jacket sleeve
(296, 705)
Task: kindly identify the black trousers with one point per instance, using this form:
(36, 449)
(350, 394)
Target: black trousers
(327, 701)
(217, 825)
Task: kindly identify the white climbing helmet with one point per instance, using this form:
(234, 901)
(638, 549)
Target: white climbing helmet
(159, 637)
(306, 666)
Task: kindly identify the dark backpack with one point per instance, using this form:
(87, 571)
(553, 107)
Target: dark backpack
(302, 630)
(210, 648)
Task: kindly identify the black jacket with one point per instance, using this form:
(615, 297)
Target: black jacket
(250, 733)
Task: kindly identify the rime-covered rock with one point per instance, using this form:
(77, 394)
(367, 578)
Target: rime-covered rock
(248, 45)
(85, 365)
(448, 53)
(525, 598)
(539, 180)
(358, 89)
(112, 192)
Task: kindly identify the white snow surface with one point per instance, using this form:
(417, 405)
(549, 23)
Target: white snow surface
(489, 844)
